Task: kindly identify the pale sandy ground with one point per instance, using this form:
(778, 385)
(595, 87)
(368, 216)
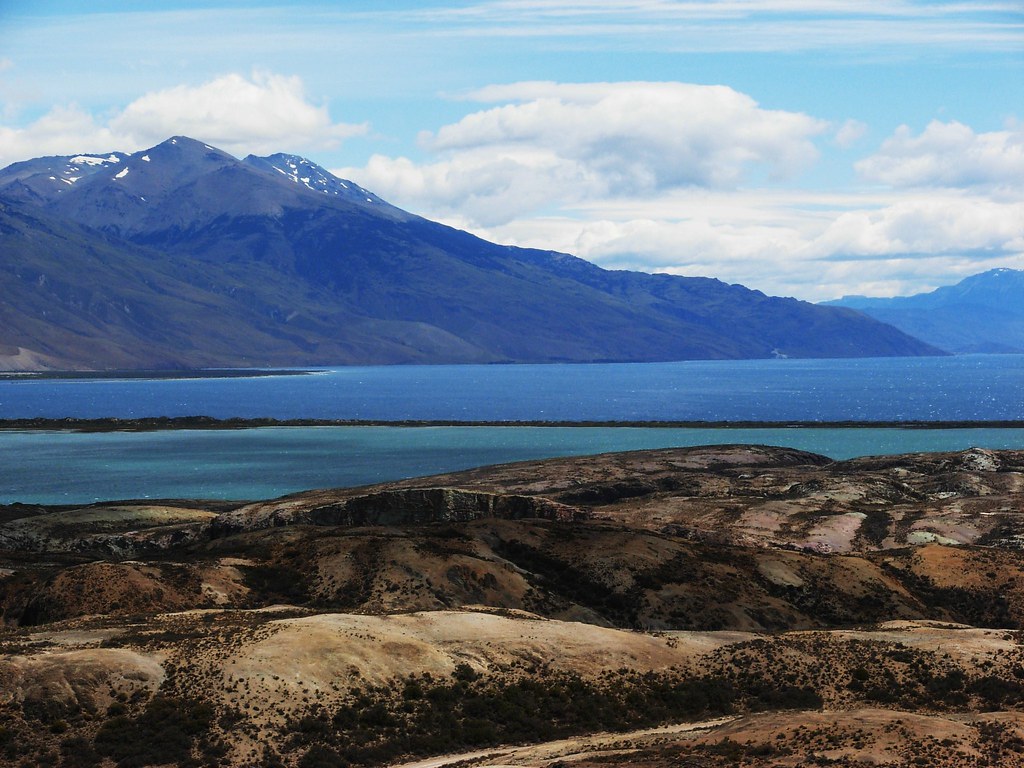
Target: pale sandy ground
(869, 737)
(958, 640)
(321, 651)
(322, 655)
(567, 749)
(274, 667)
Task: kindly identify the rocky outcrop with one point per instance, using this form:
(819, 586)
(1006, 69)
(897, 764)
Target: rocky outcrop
(115, 531)
(439, 505)
(405, 506)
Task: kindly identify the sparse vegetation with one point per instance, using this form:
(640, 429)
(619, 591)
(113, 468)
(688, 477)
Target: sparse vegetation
(432, 716)
(164, 732)
(152, 683)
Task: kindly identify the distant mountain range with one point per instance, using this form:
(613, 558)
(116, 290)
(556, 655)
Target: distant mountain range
(982, 313)
(182, 256)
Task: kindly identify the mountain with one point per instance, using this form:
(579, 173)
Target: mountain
(184, 256)
(982, 313)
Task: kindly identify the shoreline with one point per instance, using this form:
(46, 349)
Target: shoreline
(210, 373)
(169, 423)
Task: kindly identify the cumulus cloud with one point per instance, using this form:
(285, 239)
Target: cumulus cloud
(669, 177)
(263, 113)
(925, 225)
(814, 246)
(62, 130)
(557, 143)
(947, 155)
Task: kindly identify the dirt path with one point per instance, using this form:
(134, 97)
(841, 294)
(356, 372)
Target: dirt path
(562, 748)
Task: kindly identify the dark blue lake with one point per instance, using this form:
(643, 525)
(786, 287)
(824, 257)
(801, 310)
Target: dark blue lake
(983, 387)
(63, 467)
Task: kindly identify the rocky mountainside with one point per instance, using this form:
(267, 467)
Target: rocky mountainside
(183, 256)
(981, 313)
(754, 606)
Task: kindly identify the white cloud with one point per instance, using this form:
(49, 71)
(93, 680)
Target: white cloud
(62, 130)
(740, 25)
(812, 245)
(511, 10)
(948, 155)
(264, 113)
(552, 143)
(258, 114)
(850, 132)
(925, 225)
(668, 177)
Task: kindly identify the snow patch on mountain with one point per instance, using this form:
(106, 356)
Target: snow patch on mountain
(312, 176)
(93, 160)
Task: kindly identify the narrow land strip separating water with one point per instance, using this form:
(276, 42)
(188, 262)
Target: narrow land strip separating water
(73, 440)
(155, 423)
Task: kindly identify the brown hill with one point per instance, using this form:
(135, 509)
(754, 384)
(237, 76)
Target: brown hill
(860, 612)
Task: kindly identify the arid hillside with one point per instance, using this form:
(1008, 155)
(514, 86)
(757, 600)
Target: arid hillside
(731, 605)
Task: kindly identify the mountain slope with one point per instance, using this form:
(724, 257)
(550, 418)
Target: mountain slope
(273, 261)
(74, 298)
(982, 313)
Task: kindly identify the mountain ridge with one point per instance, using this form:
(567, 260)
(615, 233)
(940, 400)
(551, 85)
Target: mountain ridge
(983, 313)
(274, 261)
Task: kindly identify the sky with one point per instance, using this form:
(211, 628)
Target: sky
(807, 148)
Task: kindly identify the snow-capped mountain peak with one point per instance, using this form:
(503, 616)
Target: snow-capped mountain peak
(312, 176)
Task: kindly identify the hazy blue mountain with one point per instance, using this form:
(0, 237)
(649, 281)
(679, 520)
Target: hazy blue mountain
(981, 313)
(181, 255)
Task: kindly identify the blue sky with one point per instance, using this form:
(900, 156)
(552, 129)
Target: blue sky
(802, 147)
